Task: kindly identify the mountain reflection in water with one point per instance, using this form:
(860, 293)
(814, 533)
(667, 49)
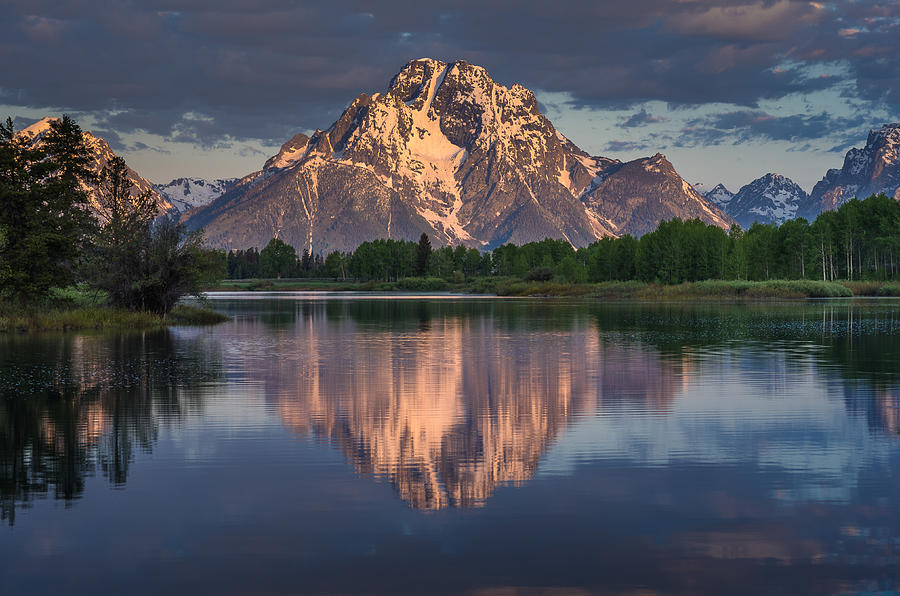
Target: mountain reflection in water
(320, 444)
(445, 400)
(447, 408)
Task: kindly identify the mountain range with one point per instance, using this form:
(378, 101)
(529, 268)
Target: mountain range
(447, 151)
(773, 198)
(769, 199)
(871, 170)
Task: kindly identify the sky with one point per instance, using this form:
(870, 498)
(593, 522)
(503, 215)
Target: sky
(729, 89)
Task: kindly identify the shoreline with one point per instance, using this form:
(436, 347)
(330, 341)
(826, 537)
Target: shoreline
(101, 318)
(629, 290)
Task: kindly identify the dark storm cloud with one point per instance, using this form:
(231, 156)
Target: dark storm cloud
(213, 72)
(642, 118)
(621, 146)
(748, 125)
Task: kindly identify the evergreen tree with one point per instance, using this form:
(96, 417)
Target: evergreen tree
(423, 254)
(278, 259)
(43, 209)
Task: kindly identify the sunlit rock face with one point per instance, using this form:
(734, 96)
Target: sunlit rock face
(451, 409)
(874, 169)
(100, 154)
(448, 151)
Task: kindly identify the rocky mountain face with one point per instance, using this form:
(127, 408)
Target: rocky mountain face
(450, 152)
(769, 199)
(871, 170)
(100, 156)
(719, 196)
(188, 193)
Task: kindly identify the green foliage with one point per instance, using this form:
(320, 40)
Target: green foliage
(859, 241)
(278, 259)
(423, 284)
(423, 254)
(194, 315)
(75, 319)
(43, 209)
(139, 261)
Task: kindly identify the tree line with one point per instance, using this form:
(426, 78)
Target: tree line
(858, 241)
(53, 236)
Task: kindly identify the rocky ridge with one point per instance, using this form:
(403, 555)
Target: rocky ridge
(871, 170)
(447, 151)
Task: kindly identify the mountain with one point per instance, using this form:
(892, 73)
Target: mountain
(447, 151)
(100, 153)
(719, 196)
(187, 193)
(871, 170)
(769, 199)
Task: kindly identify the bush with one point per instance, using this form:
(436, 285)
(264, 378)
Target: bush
(423, 284)
(889, 290)
(194, 315)
(539, 274)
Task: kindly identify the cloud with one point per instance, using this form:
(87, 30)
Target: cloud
(623, 146)
(641, 118)
(741, 126)
(263, 69)
(751, 21)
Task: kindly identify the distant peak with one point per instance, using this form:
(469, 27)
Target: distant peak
(39, 127)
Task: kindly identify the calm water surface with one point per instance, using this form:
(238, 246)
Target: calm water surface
(354, 444)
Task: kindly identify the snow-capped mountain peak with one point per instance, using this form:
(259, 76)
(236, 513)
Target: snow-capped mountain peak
(871, 170)
(39, 128)
(448, 151)
(719, 196)
(769, 199)
(187, 193)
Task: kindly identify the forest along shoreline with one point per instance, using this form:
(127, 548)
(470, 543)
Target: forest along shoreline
(852, 251)
(86, 249)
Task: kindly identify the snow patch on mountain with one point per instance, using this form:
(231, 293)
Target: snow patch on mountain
(447, 151)
(719, 196)
(187, 193)
(871, 170)
(769, 199)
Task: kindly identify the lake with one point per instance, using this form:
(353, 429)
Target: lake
(377, 444)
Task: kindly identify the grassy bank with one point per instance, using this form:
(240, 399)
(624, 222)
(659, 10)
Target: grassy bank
(872, 288)
(625, 290)
(718, 289)
(100, 318)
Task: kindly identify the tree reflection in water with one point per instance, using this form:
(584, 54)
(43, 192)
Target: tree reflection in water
(76, 405)
(446, 400)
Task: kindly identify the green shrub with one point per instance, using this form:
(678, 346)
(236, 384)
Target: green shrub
(892, 289)
(194, 315)
(423, 284)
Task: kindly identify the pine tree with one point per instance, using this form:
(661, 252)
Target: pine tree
(44, 220)
(423, 254)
